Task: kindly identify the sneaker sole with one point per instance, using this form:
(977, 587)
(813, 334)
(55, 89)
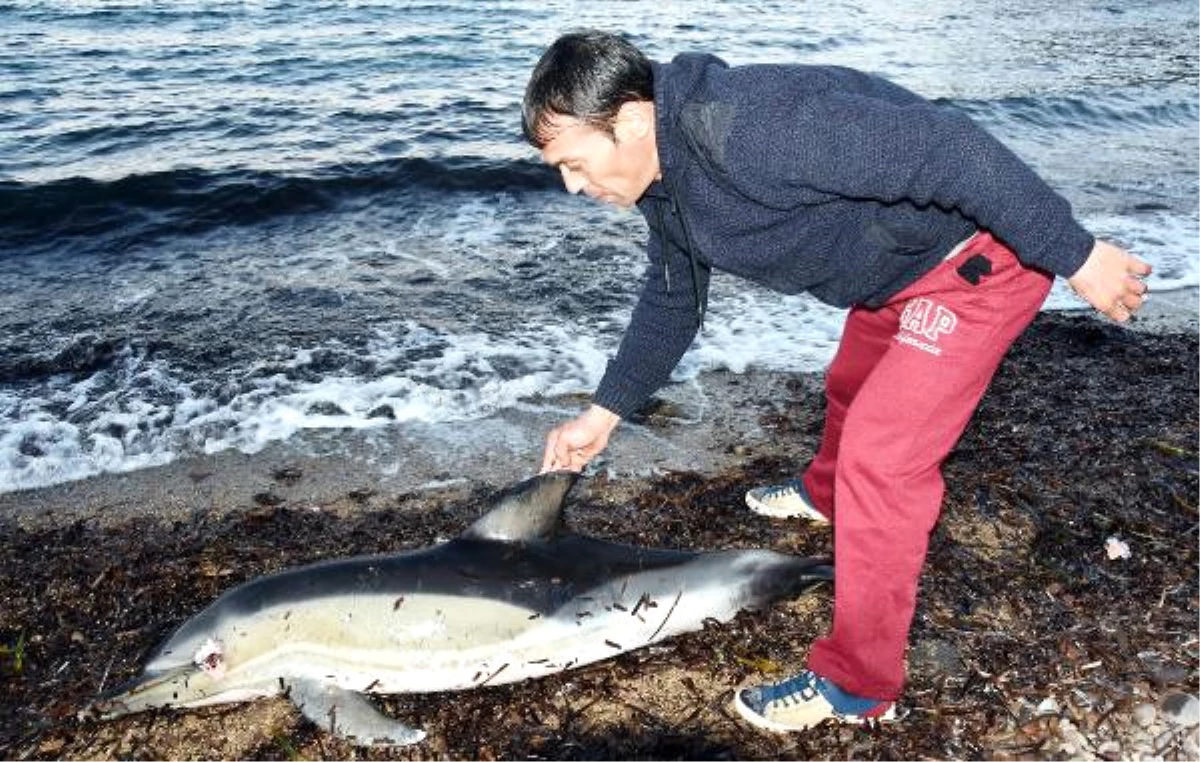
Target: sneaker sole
(758, 721)
(761, 508)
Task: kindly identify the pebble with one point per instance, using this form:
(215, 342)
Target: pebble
(1182, 709)
(1145, 715)
(51, 746)
(1048, 706)
(1191, 745)
(1170, 673)
(1072, 739)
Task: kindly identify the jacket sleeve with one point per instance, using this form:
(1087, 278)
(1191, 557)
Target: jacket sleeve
(856, 146)
(662, 327)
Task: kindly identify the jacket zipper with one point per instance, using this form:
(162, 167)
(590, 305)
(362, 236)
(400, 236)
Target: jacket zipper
(701, 300)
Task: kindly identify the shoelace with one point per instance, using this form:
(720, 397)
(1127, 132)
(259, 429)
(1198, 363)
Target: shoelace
(781, 490)
(792, 690)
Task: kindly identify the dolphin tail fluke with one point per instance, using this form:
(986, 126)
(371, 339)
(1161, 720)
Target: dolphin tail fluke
(812, 572)
(820, 571)
(347, 714)
(784, 576)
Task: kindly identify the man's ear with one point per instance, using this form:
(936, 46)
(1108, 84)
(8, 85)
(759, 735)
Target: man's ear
(634, 122)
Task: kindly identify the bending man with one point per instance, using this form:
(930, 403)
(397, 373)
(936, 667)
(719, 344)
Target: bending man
(940, 241)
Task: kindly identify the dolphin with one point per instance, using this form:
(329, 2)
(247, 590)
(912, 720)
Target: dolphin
(513, 597)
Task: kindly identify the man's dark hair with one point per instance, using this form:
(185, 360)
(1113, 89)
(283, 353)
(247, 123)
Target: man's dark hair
(587, 75)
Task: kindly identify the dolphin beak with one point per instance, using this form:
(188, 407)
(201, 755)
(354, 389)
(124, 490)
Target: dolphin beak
(179, 686)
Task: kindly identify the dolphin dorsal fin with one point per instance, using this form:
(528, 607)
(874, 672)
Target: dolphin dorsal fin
(526, 512)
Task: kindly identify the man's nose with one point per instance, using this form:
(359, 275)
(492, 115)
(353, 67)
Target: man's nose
(573, 180)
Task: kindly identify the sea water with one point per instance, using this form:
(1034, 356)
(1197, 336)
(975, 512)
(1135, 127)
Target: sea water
(223, 224)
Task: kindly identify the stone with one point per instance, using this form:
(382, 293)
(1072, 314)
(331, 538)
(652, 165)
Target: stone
(383, 411)
(1191, 744)
(1145, 715)
(1048, 706)
(1181, 709)
(325, 408)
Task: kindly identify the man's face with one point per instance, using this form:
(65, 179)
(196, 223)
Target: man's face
(615, 169)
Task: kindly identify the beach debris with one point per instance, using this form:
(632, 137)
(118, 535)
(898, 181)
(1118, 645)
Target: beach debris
(287, 474)
(1117, 549)
(759, 664)
(1167, 448)
(16, 652)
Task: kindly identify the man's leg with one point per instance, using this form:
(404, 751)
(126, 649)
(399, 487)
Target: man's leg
(907, 415)
(865, 338)
(951, 330)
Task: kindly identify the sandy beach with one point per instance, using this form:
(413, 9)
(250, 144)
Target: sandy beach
(1030, 642)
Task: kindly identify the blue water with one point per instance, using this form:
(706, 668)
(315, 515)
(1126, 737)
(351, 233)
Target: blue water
(226, 223)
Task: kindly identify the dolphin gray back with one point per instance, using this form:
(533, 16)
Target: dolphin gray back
(527, 512)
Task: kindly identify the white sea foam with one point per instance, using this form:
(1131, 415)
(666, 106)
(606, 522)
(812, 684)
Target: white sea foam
(39, 450)
(752, 327)
(139, 412)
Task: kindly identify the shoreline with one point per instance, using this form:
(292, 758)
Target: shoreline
(1028, 639)
(700, 425)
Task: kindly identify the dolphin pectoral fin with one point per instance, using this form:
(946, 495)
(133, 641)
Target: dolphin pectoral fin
(347, 714)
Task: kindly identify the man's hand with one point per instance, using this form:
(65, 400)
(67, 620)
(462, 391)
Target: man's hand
(1110, 281)
(570, 446)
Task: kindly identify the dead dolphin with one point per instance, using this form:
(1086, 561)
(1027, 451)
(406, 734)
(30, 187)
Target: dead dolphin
(511, 598)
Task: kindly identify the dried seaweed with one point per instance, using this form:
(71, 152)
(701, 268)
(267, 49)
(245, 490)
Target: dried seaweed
(1029, 641)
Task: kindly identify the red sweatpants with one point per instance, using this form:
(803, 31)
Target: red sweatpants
(905, 380)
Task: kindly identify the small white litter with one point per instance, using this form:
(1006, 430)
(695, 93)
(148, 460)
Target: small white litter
(1116, 548)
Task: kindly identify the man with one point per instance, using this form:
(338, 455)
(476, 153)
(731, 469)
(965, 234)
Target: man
(941, 242)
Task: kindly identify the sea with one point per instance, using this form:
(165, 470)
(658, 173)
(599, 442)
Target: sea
(228, 225)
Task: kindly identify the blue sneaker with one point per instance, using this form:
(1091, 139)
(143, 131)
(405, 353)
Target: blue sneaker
(784, 501)
(800, 702)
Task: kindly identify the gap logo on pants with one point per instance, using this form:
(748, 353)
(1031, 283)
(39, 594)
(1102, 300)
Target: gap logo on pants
(923, 322)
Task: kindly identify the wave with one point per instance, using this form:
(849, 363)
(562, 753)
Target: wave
(83, 354)
(1116, 112)
(140, 410)
(121, 213)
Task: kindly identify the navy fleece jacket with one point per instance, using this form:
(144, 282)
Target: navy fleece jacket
(818, 179)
